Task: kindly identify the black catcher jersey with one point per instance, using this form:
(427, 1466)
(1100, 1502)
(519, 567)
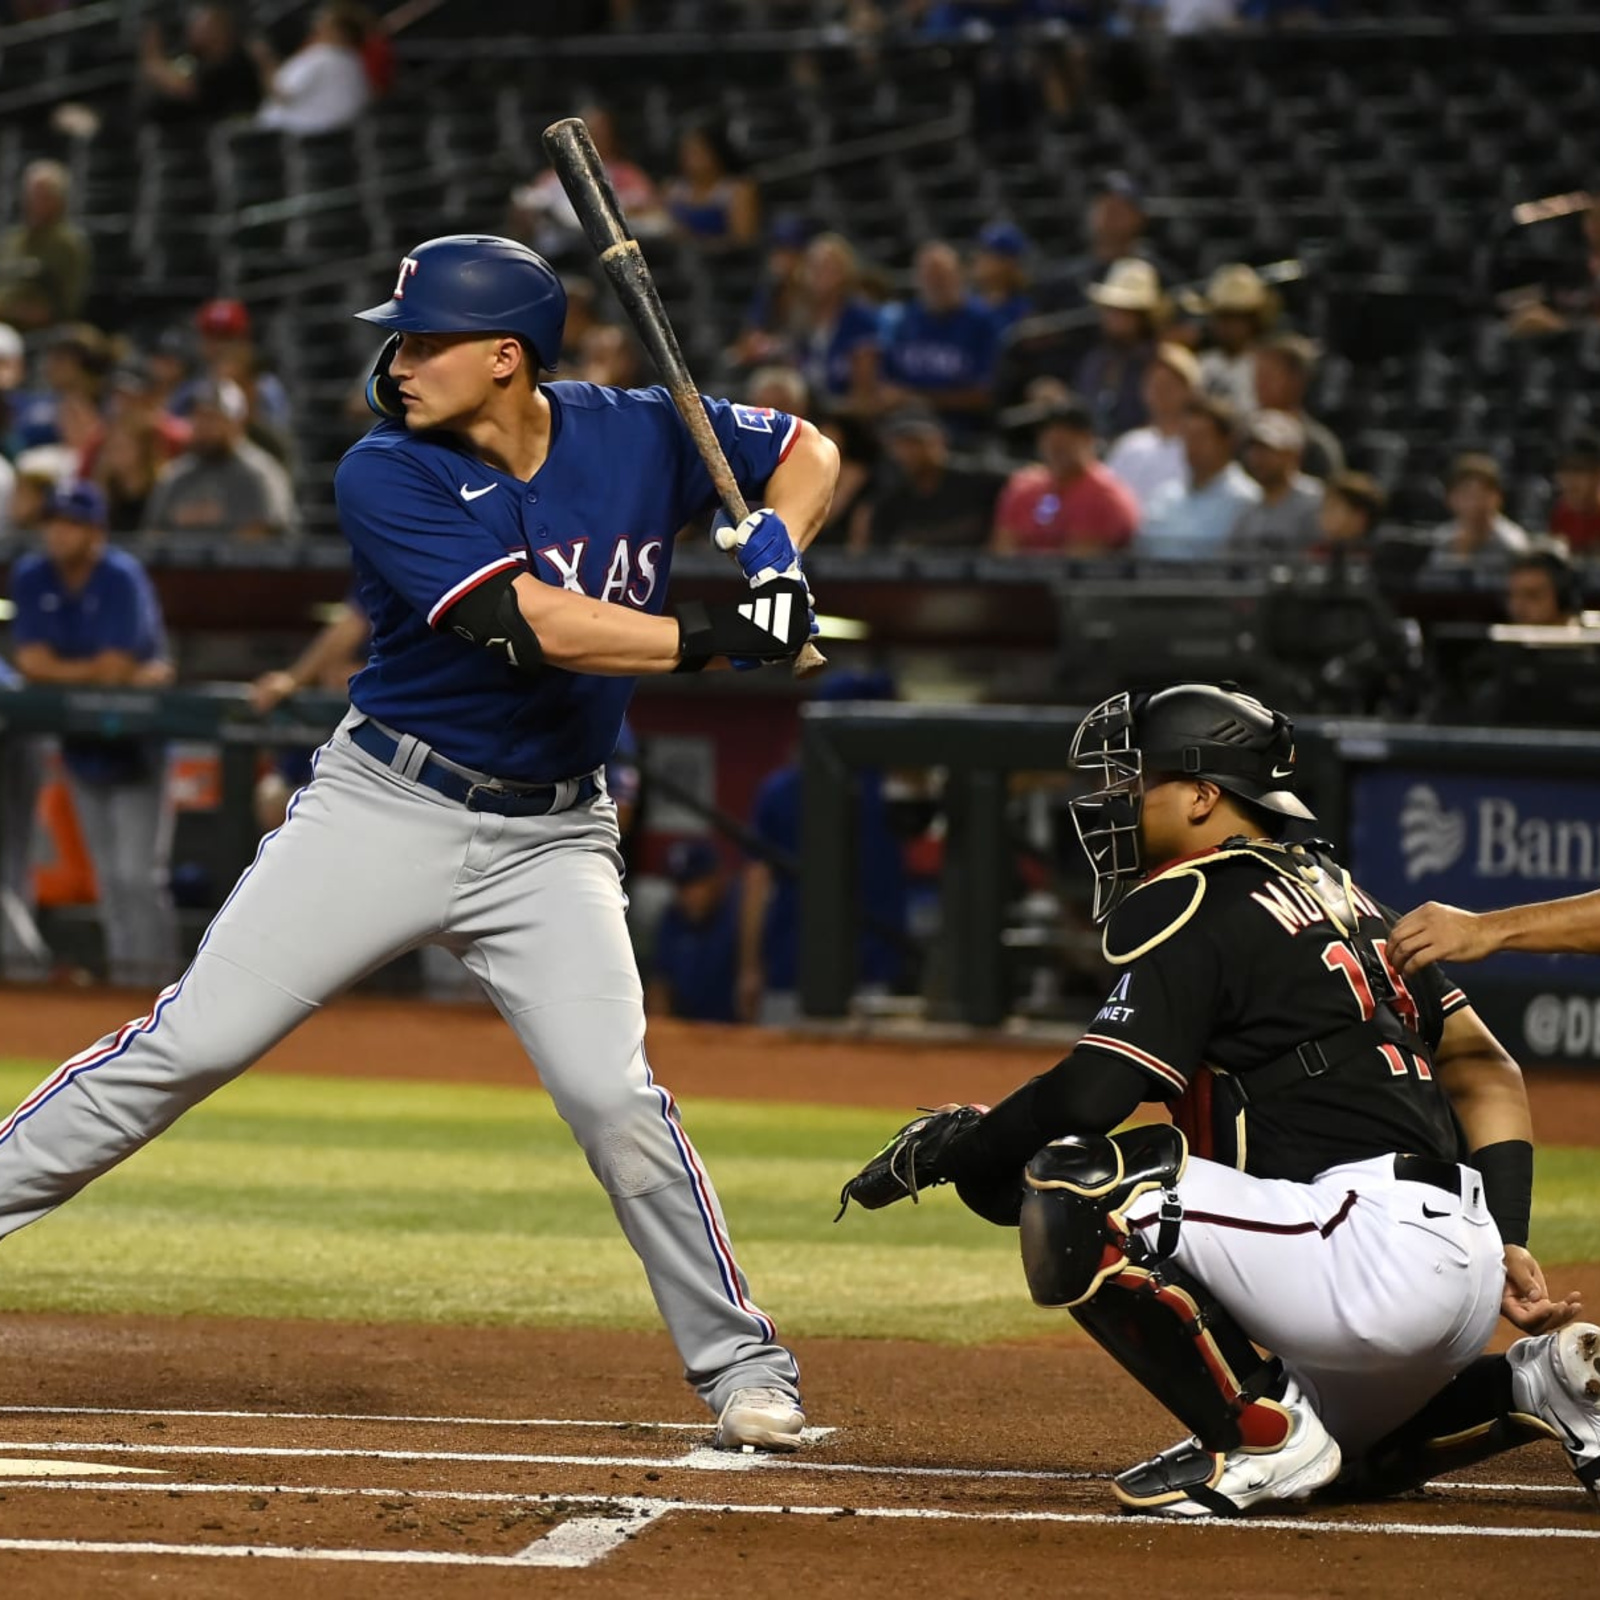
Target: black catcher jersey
(1256, 992)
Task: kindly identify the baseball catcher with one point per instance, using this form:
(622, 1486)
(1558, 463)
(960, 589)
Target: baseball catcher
(1306, 1263)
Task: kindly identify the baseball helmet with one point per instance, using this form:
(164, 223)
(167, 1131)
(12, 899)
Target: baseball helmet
(477, 283)
(1194, 730)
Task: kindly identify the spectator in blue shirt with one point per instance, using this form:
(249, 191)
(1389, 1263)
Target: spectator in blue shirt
(1195, 524)
(87, 615)
(769, 931)
(1000, 274)
(941, 347)
(697, 940)
(837, 342)
(23, 953)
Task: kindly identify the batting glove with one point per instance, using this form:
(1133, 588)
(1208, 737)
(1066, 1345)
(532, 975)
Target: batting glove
(761, 544)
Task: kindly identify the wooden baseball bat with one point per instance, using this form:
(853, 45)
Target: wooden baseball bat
(577, 164)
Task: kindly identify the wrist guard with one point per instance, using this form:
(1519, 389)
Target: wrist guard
(1507, 1172)
(771, 624)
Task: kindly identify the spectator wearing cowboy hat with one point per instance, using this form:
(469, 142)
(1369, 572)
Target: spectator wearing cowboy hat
(1152, 458)
(1110, 375)
(1069, 503)
(1285, 520)
(1000, 273)
(1239, 308)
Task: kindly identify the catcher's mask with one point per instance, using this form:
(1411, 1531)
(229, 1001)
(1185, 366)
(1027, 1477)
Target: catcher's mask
(1195, 730)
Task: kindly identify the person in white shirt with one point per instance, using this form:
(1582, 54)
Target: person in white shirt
(1152, 458)
(323, 86)
(1478, 529)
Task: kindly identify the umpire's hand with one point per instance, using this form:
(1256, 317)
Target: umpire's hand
(1434, 932)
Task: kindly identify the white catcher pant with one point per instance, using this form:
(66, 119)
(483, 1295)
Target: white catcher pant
(368, 865)
(1373, 1302)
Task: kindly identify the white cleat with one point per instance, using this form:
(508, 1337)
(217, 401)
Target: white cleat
(1555, 1379)
(760, 1419)
(1190, 1481)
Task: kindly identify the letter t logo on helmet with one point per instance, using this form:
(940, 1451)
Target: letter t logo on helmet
(408, 268)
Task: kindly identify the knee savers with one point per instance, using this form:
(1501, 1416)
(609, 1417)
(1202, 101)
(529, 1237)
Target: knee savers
(1076, 1194)
(1155, 1319)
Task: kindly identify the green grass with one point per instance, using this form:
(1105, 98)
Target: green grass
(374, 1201)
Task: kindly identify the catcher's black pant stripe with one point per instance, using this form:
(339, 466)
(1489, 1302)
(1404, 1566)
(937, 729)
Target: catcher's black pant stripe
(1249, 1225)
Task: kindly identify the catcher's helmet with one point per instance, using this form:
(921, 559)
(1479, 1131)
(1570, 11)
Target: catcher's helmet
(477, 283)
(1197, 730)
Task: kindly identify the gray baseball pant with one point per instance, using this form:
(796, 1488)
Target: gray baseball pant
(368, 865)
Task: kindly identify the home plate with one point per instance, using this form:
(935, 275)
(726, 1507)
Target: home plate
(10, 1468)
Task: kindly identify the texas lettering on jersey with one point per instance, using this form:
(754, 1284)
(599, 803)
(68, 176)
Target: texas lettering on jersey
(628, 572)
(428, 522)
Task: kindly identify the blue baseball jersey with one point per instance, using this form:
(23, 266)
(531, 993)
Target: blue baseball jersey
(699, 961)
(116, 609)
(428, 522)
(827, 357)
(940, 350)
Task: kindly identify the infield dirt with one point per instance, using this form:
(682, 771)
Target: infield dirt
(391, 1424)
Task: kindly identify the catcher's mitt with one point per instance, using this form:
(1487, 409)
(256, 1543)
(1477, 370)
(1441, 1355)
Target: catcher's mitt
(916, 1158)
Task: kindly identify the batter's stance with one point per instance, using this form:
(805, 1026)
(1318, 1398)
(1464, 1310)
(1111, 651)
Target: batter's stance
(512, 544)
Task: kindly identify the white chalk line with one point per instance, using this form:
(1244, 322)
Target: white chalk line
(346, 1416)
(704, 1459)
(643, 1510)
(299, 1491)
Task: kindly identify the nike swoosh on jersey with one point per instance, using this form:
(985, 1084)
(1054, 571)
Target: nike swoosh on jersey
(1434, 1214)
(476, 494)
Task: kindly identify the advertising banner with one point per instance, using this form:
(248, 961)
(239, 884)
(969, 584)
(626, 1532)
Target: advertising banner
(1484, 840)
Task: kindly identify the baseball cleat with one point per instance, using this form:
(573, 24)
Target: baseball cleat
(1555, 1380)
(760, 1419)
(1191, 1481)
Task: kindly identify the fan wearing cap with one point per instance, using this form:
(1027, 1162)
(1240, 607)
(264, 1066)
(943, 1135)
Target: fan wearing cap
(225, 341)
(696, 959)
(1000, 273)
(1151, 460)
(1110, 377)
(223, 486)
(1284, 367)
(87, 614)
(1478, 529)
(1114, 230)
(925, 499)
(1239, 309)
(1069, 502)
(1331, 1226)
(1285, 520)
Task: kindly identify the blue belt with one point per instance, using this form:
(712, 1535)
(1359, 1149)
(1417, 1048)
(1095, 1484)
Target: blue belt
(479, 794)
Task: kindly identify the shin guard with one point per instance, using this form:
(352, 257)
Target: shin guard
(1157, 1320)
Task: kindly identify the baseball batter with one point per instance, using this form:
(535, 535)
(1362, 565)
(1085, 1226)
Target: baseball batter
(512, 544)
(1346, 1182)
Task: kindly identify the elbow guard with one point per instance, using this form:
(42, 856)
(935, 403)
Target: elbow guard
(490, 617)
